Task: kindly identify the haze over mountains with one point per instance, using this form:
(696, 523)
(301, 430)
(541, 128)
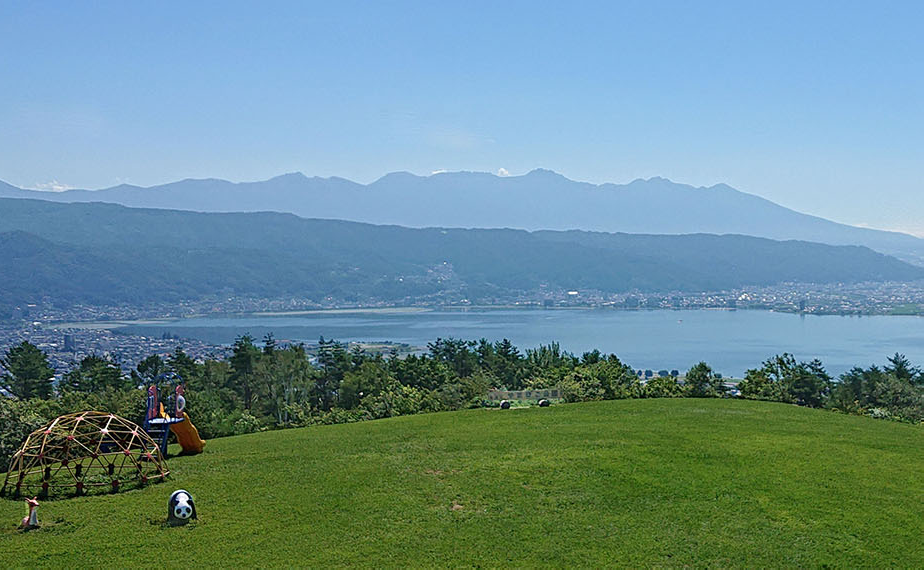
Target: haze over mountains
(539, 200)
(105, 253)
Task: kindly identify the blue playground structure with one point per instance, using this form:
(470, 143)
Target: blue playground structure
(158, 424)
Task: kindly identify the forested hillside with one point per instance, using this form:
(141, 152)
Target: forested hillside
(101, 252)
(539, 200)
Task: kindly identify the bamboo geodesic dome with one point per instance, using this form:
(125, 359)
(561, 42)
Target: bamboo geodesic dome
(81, 451)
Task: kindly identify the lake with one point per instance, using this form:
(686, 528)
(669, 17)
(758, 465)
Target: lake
(730, 341)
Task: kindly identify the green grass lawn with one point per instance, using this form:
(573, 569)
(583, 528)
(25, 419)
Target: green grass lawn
(632, 482)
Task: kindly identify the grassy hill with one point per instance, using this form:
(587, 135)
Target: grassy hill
(633, 482)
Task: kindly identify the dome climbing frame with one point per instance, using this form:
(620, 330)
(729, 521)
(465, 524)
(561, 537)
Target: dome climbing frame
(85, 451)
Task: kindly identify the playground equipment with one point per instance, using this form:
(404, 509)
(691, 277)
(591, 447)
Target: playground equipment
(85, 450)
(158, 424)
(180, 508)
(30, 521)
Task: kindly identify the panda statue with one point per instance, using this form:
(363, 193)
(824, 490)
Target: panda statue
(180, 508)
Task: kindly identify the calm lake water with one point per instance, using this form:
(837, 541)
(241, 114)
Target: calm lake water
(730, 341)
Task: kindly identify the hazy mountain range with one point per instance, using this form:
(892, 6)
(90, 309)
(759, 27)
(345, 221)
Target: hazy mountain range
(539, 200)
(105, 253)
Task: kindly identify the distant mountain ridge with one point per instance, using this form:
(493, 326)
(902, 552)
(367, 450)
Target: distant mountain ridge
(539, 200)
(106, 253)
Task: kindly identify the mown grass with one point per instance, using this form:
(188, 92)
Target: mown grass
(634, 482)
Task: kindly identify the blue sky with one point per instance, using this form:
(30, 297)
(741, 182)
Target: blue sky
(820, 108)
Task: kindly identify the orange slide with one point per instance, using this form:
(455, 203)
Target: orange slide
(187, 435)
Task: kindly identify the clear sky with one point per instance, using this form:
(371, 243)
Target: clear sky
(819, 108)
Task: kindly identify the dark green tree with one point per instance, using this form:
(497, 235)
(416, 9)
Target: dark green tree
(147, 371)
(244, 358)
(457, 353)
(28, 373)
(421, 372)
(213, 375)
(783, 379)
(878, 391)
(810, 384)
(502, 361)
(17, 420)
(592, 357)
(183, 365)
(95, 374)
(606, 379)
(334, 362)
(550, 356)
(368, 380)
(285, 377)
(902, 369)
(703, 383)
(269, 343)
(663, 387)
(547, 365)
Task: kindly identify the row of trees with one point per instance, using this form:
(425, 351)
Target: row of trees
(894, 391)
(267, 386)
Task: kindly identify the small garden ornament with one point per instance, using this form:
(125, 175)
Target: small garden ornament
(30, 521)
(180, 508)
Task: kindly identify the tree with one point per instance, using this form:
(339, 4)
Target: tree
(333, 361)
(149, 369)
(28, 373)
(421, 372)
(503, 361)
(243, 360)
(269, 343)
(369, 380)
(183, 365)
(782, 379)
(902, 369)
(550, 356)
(466, 392)
(95, 374)
(284, 380)
(17, 420)
(810, 384)
(591, 357)
(663, 387)
(548, 365)
(703, 383)
(213, 375)
(879, 391)
(607, 379)
(852, 392)
(457, 353)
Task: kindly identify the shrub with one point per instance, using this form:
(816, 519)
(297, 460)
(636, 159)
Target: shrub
(663, 387)
(246, 423)
(17, 420)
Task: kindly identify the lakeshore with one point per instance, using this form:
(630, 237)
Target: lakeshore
(730, 341)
